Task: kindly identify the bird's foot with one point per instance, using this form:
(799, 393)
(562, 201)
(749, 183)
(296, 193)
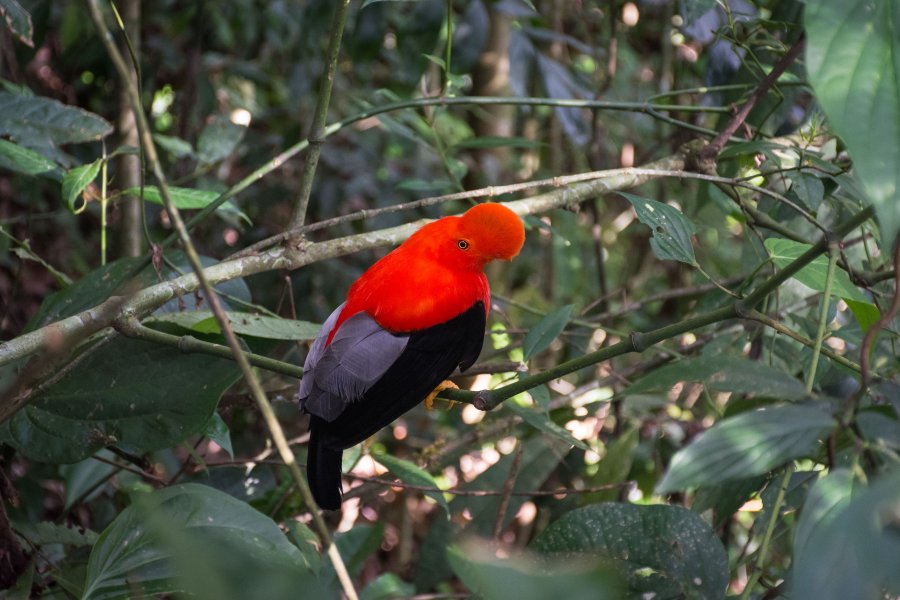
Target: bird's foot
(444, 385)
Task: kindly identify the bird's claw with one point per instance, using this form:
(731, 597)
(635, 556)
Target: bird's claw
(444, 385)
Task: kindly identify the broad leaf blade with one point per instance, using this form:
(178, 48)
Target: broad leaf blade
(76, 180)
(784, 252)
(24, 160)
(672, 231)
(188, 535)
(127, 392)
(526, 577)
(853, 62)
(547, 330)
(407, 472)
(852, 549)
(18, 21)
(751, 443)
(38, 119)
(218, 140)
(722, 373)
(661, 551)
(261, 326)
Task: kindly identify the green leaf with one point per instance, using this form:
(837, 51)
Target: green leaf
(260, 326)
(76, 180)
(692, 10)
(809, 189)
(751, 443)
(20, 159)
(828, 497)
(615, 466)
(547, 330)
(175, 146)
(369, 2)
(187, 199)
(36, 120)
(851, 549)
(541, 421)
(388, 586)
(853, 63)
(18, 21)
(409, 473)
(498, 142)
(722, 373)
(672, 231)
(83, 480)
(190, 538)
(46, 533)
(126, 392)
(307, 542)
(218, 140)
(866, 313)
(526, 577)
(89, 291)
(217, 431)
(355, 546)
(784, 252)
(540, 457)
(182, 198)
(661, 551)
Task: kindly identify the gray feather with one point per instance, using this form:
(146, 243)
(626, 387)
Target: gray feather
(315, 354)
(359, 354)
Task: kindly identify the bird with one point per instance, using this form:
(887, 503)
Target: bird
(407, 323)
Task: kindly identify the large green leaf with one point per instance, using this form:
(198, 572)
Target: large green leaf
(722, 373)
(18, 21)
(526, 577)
(751, 443)
(547, 330)
(186, 199)
(92, 289)
(261, 326)
(36, 120)
(20, 159)
(194, 539)
(853, 63)
(130, 392)
(218, 139)
(827, 498)
(661, 551)
(407, 472)
(671, 230)
(813, 275)
(852, 547)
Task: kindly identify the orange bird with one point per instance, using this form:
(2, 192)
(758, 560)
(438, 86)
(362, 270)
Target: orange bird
(409, 321)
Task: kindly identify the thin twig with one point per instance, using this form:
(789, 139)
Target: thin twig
(712, 149)
(886, 318)
(508, 487)
(317, 130)
(213, 300)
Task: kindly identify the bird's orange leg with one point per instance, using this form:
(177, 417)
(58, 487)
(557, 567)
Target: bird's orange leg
(444, 385)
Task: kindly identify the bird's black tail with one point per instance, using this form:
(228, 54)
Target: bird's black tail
(323, 471)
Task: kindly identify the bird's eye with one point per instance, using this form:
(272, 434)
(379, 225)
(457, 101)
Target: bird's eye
(463, 244)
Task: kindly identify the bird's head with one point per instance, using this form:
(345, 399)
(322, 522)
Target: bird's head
(489, 232)
(485, 232)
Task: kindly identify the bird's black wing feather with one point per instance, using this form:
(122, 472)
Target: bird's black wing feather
(429, 357)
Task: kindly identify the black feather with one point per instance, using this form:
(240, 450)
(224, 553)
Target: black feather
(429, 358)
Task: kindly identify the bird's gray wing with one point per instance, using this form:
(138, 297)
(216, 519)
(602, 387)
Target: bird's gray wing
(360, 352)
(315, 354)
